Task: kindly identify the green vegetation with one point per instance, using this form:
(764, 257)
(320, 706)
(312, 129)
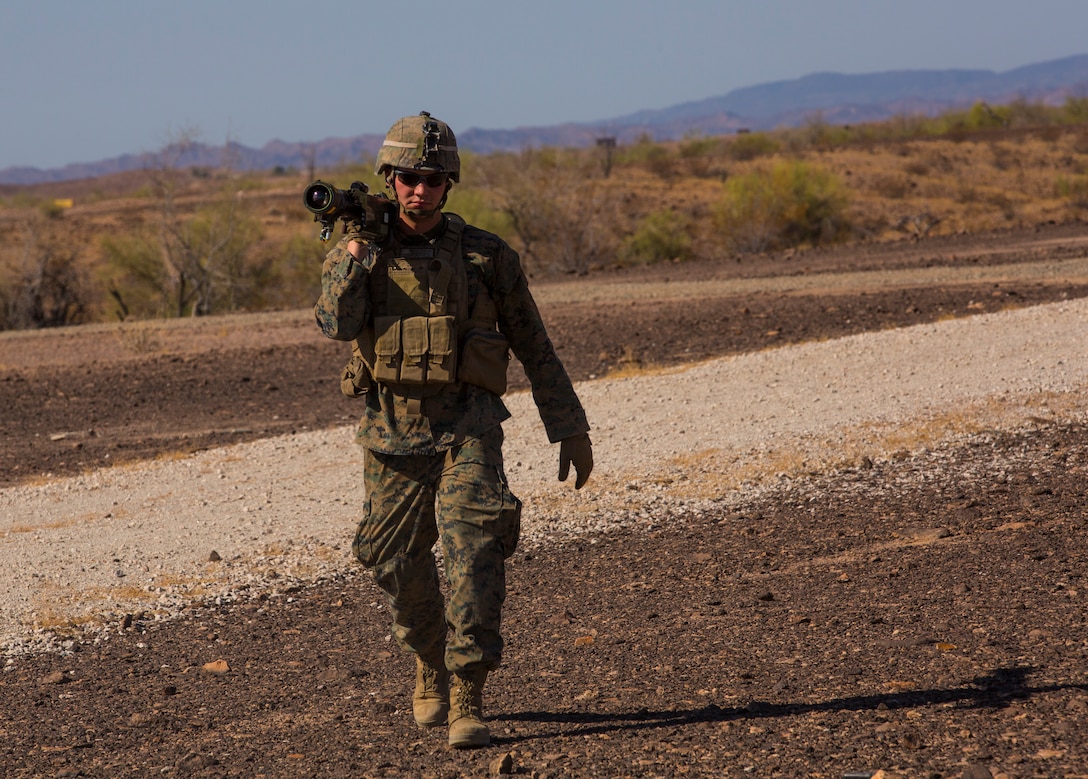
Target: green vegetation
(1074, 189)
(188, 241)
(791, 204)
(185, 263)
(749, 146)
(660, 236)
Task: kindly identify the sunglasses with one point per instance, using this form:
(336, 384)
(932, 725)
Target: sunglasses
(412, 180)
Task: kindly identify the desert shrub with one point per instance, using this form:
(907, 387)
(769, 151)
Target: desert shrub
(1003, 203)
(1021, 113)
(981, 116)
(892, 187)
(1074, 189)
(137, 277)
(186, 265)
(474, 206)
(647, 154)
(558, 218)
(1075, 110)
(701, 156)
(916, 168)
(820, 134)
(792, 204)
(967, 193)
(290, 277)
(49, 286)
(749, 146)
(701, 146)
(660, 236)
(1004, 157)
(1080, 142)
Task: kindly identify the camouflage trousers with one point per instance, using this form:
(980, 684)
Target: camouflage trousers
(459, 499)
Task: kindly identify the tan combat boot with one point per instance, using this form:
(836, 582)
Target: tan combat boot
(467, 726)
(431, 699)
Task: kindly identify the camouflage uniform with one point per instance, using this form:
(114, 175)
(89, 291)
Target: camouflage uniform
(438, 475)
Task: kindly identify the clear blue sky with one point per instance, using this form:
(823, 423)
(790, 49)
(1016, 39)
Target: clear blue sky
(83, 81)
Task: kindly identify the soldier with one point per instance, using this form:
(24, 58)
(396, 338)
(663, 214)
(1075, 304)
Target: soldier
(433, 313)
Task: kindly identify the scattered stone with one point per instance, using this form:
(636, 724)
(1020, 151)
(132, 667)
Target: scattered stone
(501, 765)
(214, 557)
(57, 677)
(193, 762)
(1015, 526)
(929, 535)
(216, 667)
(976, 772)
(334, 675)
(910, 739)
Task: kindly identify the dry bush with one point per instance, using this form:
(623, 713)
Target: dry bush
(140, 337)
(893, 187)
(46, 284)
(970, 171)
(1080, 142)
(560, 217)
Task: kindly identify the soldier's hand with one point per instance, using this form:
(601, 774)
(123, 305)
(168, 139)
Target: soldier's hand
(578, 450)
(354, 232)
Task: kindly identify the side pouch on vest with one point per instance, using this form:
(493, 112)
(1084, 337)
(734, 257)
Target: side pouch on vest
(485, 357)
(355, 378)
(387, 350)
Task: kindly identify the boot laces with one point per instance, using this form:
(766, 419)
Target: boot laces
(429, 677)
(468, 697)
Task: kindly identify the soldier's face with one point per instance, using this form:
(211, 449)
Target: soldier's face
(419, 195)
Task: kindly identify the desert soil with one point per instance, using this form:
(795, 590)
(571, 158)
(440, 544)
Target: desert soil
(837, 526)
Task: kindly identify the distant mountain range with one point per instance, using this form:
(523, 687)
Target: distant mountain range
(835, 98)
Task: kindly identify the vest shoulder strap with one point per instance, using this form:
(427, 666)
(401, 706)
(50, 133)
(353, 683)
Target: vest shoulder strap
(449, 252)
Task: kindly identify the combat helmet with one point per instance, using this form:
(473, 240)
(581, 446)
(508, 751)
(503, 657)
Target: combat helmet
(419, 143)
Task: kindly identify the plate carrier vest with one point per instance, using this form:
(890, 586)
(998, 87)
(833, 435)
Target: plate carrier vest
(422, 337)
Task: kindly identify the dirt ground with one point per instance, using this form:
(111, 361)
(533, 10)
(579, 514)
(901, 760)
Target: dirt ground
(930, 626)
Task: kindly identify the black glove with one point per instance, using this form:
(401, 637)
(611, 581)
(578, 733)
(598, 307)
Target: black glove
(578, 450)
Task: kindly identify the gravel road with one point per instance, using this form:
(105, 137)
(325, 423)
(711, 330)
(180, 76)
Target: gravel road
(266, 516)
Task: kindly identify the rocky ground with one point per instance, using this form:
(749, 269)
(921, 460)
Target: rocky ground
(920, 613)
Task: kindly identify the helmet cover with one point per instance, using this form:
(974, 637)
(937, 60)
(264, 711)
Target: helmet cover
(419, 143)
